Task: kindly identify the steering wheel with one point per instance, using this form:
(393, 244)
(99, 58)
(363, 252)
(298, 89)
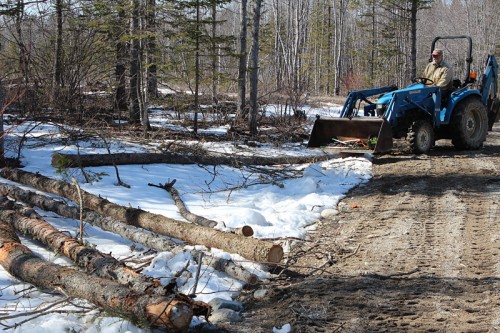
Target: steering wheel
(424, 80)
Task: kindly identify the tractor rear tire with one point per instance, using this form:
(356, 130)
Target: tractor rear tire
(421, 136)
(469, 124)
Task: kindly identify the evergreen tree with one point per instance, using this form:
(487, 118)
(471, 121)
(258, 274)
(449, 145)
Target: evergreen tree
(190, 19)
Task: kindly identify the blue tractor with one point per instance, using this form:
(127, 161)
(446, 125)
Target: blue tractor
(417, 113)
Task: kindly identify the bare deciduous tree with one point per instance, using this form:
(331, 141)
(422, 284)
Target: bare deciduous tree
(254, 68)
(242, 59)
(135, 85)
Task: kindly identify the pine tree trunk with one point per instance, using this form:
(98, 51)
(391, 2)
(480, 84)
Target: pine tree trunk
(57, 78)
(134, 107)
(214, 56)
(173, 313)
(197, 72)
(340, 13)
(120, 100)
(152, 69)
(413, 37)
(249, 248)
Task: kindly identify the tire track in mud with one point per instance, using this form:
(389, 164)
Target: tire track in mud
(446, 227)
(417, 249)
(409, 240)
(430, 249)
(481, 255)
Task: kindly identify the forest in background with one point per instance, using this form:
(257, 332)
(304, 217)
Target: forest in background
(55, 52)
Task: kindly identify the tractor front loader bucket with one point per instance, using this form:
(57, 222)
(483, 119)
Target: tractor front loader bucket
(372, 134)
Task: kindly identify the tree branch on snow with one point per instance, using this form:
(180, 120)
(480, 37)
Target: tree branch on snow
(246, 231)
(118, 179)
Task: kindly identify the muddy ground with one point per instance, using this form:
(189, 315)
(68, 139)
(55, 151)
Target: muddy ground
(416, 249)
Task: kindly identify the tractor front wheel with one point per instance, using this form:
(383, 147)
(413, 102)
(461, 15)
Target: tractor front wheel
(421, 136)
(469, 124)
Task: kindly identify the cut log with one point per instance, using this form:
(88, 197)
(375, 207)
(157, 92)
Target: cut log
(172, 313)
(231, 269)
(134, 234)
(249, 248)
(127, 231)
(60, 160)
(92, 260)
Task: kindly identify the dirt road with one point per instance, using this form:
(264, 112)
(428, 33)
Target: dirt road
(416, 249)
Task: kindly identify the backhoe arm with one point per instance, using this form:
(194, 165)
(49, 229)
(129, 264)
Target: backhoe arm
(489, 89)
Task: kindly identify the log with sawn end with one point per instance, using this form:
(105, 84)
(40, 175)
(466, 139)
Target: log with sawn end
(134, 234)
(172, 313)
(92, 260)
(85, 160)
(249, 248)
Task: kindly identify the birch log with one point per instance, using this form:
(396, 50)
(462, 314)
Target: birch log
(134, 234)
(249, 248)
(171, 313)
(92, 260)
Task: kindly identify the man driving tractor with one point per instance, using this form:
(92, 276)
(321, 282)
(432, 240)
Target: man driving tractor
(439, 73)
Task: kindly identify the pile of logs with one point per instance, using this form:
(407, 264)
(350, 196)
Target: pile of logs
(103, 280)
(107, 283)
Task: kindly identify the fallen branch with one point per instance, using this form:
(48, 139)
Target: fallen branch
(330, 261)
(231, 269)
(173, 313)
(33, 314)
(185, 213)
(78, 189)
(246, 230)
(36, 315)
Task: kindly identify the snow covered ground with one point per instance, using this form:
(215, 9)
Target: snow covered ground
(283, 209)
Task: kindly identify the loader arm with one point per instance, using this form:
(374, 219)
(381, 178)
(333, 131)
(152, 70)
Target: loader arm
(349, 110)
(415, 98)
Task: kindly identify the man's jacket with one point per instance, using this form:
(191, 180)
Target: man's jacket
(441, 74)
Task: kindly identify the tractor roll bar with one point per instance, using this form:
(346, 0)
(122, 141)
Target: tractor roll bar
(469, 51)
